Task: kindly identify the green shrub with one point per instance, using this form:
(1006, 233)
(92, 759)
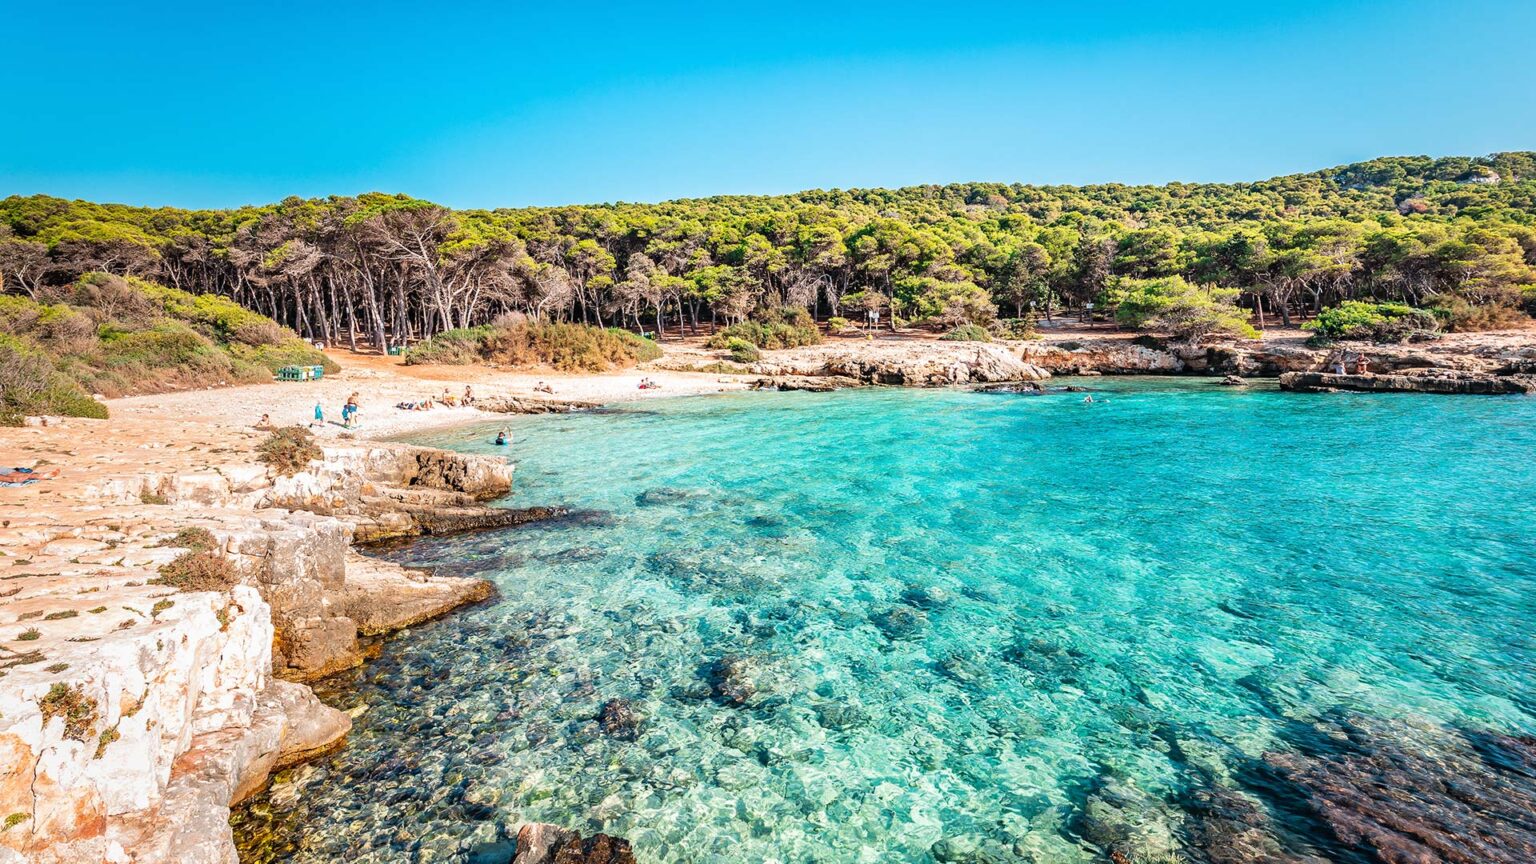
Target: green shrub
(1377, 322)
(643, 348)
(784, 328)
(743, 351)
(788, 327)
(70, 702)
(837, 324)
(451, 347)
(30, 385)
(1015, 328)
(196, 538)
(122, 335)
(197, 571)
(967, 333)
(1184, 310)
(1458, 315)
(288, 450)
(567, 347)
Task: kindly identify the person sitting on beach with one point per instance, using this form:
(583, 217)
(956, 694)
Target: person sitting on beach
(541, 387)
(469, 396)
(1362, 365)
(264, 423)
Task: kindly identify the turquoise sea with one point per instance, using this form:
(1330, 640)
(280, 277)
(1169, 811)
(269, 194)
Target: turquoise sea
(964, 626)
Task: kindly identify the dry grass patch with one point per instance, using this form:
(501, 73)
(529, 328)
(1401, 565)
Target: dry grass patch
(289, 450)
(199, 571)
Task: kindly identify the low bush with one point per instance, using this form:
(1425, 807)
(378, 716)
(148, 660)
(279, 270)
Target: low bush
(838, 324)
(782, 328)
(1457, 315)
(1377, 322)
(967, 333)
(643, 348)
(567, 347)
(198, 571)
(30, 385)
(197, 539)
(743, 351)
(288, 450)
(451, 348)
(70, 702)
(122, 335)
(1014, 328)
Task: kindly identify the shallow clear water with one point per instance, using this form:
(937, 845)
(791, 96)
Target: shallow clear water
(963, 613)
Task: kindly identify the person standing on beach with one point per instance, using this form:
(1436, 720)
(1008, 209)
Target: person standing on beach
(319, 415)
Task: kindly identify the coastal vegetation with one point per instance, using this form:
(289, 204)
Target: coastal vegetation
(515, 341)
(1187, 311)
(288, 450)
(968, 333)
(1377, 322)
(123, 335)
(1456, 235)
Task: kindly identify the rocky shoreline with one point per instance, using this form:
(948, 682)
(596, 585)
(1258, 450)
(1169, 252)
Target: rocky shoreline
(135, 710)
(928, 363)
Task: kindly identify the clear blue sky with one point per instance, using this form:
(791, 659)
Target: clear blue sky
(508, 104)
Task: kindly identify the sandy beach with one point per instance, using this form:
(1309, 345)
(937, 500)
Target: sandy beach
(383, 382)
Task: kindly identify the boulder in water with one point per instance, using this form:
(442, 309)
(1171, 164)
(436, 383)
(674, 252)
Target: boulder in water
(1402, 794)
(619, 719)
(730, 679)
(542, 843)
(901, 622)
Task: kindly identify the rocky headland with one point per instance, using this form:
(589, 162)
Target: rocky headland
(161, 601)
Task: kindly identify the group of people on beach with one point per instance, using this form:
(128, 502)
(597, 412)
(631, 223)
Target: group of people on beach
(648, 384)
(349, 411)
(446, 399)
(1339, 362)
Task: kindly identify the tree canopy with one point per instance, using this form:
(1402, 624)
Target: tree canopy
(1458, 234)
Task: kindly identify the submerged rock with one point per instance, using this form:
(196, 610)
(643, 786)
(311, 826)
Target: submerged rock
(730, 679)
(619, 719)
(839, 716)
(966, 669)
(1405, 795)
(971, 849)
(542, 843)
(901, 623)
(927, 596)
(1127, 823)
(665, 496)
(1047, 660)
(1228, 827)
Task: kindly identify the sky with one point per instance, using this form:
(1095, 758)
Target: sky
(512, 104)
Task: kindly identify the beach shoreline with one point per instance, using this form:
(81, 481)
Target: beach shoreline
(78, 547)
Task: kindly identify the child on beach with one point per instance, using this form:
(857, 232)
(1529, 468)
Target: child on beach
(319, 415)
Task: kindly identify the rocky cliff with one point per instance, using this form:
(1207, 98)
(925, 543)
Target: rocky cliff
(913, 364)
(1147, 355)
(152, 623)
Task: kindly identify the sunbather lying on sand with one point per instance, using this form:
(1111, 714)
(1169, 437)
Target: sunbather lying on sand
(10, 477)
